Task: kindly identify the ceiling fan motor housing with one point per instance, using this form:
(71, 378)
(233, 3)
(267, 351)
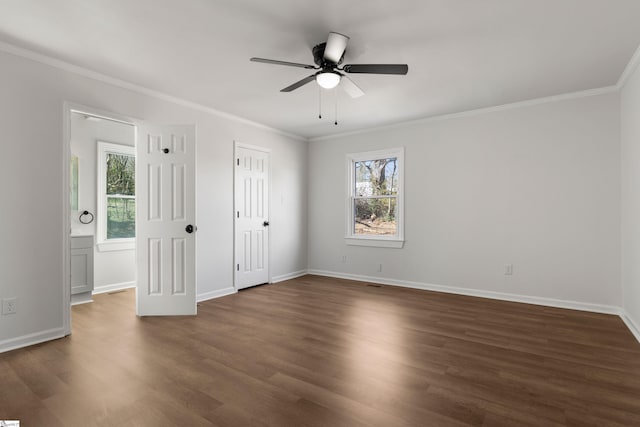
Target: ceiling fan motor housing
(318, 56)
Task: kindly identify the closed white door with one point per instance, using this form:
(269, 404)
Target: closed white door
(165, 222)
(251, 217)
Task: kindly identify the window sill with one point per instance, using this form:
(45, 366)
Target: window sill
(116, 246)
(373, 242)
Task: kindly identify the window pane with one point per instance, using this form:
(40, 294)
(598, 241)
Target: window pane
(121, 174)
(376, 177)
(121, 218)
(375, 217)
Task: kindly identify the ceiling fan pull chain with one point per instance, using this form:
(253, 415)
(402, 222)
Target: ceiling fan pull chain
(319, 102)
(336, 121)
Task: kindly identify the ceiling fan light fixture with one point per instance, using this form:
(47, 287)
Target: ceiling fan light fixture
(328, 80)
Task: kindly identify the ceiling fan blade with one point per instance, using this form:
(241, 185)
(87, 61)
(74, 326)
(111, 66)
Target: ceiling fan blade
(334, 49)
(376, 68)
(276, 62)
(296, 85)
(350, 87)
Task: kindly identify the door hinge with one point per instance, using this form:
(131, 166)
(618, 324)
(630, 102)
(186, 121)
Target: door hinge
(237, 267)
(238, 214)
(238, 161)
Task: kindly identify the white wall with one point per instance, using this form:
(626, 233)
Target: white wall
(630, 137)
(31, 226)
(111, 269)
(536, 186)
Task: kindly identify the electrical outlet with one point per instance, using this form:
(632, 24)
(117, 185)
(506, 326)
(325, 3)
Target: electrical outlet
(344, 259)
(379, 268)
(508, 269)
(9, 305)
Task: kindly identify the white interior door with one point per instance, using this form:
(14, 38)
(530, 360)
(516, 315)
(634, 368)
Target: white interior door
(251, 203)
(165, 226)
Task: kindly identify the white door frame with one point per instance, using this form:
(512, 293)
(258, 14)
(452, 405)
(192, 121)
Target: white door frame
(68, 108)
(236, 145)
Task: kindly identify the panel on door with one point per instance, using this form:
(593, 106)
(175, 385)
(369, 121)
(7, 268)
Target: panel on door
(166, 208)
(252, 217)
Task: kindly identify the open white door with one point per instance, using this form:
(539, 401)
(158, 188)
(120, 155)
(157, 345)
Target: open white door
(251, 202)
(165, 221)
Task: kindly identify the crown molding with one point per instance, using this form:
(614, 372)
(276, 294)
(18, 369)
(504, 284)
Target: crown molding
(629, 69)
(477, 112)
(94, 75)
(633, 64)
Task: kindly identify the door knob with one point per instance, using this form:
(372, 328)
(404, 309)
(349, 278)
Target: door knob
(165, 151)
(265, 224)
(190, 228)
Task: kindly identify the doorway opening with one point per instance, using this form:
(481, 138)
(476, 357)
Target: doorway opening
(144, 221)
(102, 205)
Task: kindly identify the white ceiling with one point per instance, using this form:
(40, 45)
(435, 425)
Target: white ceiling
(462, 54)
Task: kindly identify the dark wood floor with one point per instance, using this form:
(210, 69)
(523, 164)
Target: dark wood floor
(325, 352)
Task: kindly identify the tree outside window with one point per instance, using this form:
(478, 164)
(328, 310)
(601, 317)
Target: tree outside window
(121, 196)
(116, 196)
(376, 192)
(375, 209)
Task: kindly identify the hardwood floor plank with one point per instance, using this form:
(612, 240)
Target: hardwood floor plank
(369, 415)
(317, 351)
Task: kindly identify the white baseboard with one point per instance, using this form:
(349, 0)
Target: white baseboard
(82, 298)
(288, 276)
(31, 339)
(631, 324)
(216, 294)
(549, 302)
(200, 297)
(634, 327)
(113, 287)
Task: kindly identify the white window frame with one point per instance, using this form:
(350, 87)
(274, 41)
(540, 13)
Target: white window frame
(102, 242)
(351, 238)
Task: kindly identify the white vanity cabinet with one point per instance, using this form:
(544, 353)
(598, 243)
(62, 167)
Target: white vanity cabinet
(81, 264)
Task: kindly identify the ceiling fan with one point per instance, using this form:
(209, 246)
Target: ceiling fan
(328, 56)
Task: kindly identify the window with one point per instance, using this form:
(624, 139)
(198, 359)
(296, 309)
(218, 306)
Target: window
(116, 220)
(375, 201)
